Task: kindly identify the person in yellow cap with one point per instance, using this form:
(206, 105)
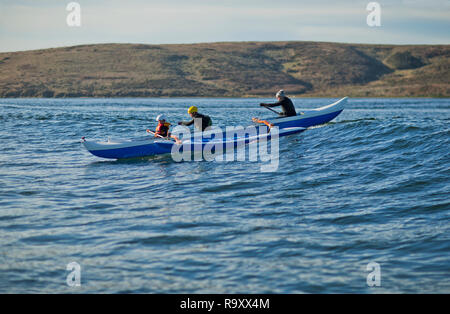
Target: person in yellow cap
(200, 121)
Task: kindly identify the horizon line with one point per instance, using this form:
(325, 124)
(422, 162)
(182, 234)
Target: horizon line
(225, 42)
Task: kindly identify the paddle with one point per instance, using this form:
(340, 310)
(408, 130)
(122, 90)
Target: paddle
(271, 110)
(173, 137)
(166, 138)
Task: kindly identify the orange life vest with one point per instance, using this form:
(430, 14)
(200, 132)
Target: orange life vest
(163, 129)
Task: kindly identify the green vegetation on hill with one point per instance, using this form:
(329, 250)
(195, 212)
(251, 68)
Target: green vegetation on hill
(228, 70)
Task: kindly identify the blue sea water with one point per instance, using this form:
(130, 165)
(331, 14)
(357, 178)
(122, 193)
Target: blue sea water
(371, 186)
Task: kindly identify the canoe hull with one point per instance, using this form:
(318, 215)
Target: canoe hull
(314, 117)
(309, 122)
(134, 151)
(148, 146)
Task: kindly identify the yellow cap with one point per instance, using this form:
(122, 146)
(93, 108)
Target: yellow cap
(192, 109)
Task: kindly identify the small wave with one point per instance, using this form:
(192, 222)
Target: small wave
(11, 217)
(49, 117)
(28, 193)
(165, 240)
(354, 121)
(352, 219)
(230, 187)
(427, 209)
(47, 238)
(404, 186)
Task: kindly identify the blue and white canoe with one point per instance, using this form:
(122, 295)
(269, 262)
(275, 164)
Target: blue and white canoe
(149, 145)
(128, 148)
(312, 117)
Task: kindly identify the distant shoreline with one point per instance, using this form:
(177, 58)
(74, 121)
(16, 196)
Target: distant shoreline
(175, 98)
(228, 70)
(226, 42)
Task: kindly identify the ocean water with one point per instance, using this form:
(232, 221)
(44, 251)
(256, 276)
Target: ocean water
(371, 186)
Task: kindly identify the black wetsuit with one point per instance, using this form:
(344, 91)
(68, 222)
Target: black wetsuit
(287, 107)
(200, 121)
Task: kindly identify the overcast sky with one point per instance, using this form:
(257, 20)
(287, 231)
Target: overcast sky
(36, 24)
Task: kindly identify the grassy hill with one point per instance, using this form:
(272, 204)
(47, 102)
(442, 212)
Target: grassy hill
(227, 70)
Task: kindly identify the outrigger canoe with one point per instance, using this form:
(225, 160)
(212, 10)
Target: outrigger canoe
(149, 145)
(312, 117)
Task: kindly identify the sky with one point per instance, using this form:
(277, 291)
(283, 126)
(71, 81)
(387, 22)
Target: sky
(38, 24)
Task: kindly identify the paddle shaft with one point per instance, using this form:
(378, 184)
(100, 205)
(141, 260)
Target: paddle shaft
(272, 110)
(171, 138)
(158, 135)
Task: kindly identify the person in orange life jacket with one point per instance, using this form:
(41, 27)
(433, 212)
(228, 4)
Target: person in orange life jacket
(162, 129)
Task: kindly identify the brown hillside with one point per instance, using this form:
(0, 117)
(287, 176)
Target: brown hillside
(227, 70)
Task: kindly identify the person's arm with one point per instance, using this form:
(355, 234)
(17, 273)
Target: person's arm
(177, 140)
(186, 123)
(278, 103)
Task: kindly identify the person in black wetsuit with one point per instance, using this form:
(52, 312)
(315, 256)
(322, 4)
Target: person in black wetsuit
(287, 107)
(200, 121)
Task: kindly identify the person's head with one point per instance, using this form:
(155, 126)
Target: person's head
(192, 111)
(161, 118)
(280, 95)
